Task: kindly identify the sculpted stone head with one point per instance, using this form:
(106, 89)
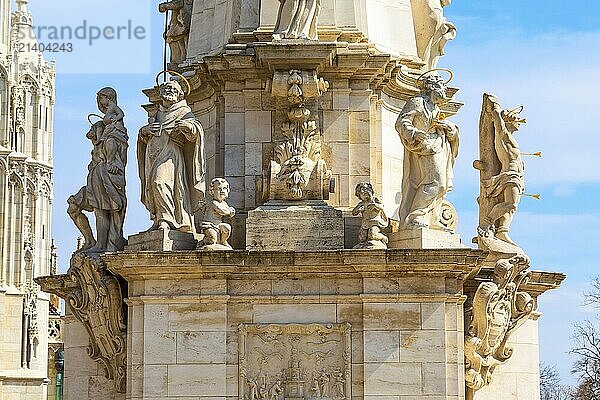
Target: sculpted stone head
(364, 191)
(104, 97)
(219, 189)
(434, 86)
(171, 93)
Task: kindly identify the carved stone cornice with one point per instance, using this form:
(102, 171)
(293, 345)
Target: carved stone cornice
(95, 298)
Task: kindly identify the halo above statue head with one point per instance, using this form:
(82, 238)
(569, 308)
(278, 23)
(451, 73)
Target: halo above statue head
(165, 72)
(517, 110)
(424, 74)
(93, 115)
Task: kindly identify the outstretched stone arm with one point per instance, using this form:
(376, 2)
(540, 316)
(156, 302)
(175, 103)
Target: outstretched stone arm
(170, 6)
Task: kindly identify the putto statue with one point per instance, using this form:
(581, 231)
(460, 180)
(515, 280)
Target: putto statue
(430, 149)
(502, 171)
(178, 30)
(432, 29)
(373, 218)
(499, 309)
(171, 162)
(104, 192)
(216, 232)
(297, 19)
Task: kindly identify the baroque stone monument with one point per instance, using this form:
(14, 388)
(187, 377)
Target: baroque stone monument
(291, 109)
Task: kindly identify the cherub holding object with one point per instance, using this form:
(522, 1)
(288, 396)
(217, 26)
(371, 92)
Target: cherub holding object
(216, 232)
(373, 218)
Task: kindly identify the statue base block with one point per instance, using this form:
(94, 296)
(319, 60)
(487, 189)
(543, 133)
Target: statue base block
(161, 240)
(424, 238)
(303, 225)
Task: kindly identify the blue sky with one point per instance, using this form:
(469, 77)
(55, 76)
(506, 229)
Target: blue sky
(543, 54)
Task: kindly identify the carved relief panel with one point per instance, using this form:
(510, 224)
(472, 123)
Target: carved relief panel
(294, 362)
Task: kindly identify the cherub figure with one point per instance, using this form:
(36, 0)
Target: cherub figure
(374, 218)
(216, 232)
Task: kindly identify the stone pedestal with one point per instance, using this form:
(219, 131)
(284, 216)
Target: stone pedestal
(382, 323)
(306, 225)
(424, 239)
(160, 240)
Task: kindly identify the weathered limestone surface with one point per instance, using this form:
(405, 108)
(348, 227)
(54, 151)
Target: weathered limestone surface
(519, 378)
(161, 240)
(192, 314)
(424, 238)
(404, 311)
(279, 225)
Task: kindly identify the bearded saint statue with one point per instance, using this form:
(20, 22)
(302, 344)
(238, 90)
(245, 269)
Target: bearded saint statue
(171, 162)
(430, 149)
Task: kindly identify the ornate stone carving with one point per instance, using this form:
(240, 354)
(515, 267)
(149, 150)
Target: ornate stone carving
(297, 170)
(295, 361)
(171, 162)
(178, 29)
(95, 298)
(432, 29)
(430, 149)
(30, 339)
(104, 192)
(297, 19)
(499, 309)
(501, 173)
(216, 232)
(373, 218)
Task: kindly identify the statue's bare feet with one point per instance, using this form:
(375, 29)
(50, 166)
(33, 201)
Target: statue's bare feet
(419, 223)
(163, 225)
(88, 245)
(486, 231)
(505, 238)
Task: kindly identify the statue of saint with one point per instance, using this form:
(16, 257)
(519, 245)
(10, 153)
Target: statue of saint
(178, 30)
(430, 149)
(297, 19)
(171, 162)
(104, 192)
(503, 189)
(432, 29)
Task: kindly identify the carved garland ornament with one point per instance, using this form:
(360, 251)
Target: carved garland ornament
(297, 170)
(499, 309)
(95, 299)
(294, 362)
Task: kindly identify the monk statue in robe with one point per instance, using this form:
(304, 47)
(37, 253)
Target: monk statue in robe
(430, 150)
(171, 162)
(297, 19)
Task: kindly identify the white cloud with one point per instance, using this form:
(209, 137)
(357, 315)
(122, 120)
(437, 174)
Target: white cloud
(556, 77)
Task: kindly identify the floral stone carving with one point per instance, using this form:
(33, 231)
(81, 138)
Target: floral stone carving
(499, 309)
(95, 298)
(297, 170)
(294, 361)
